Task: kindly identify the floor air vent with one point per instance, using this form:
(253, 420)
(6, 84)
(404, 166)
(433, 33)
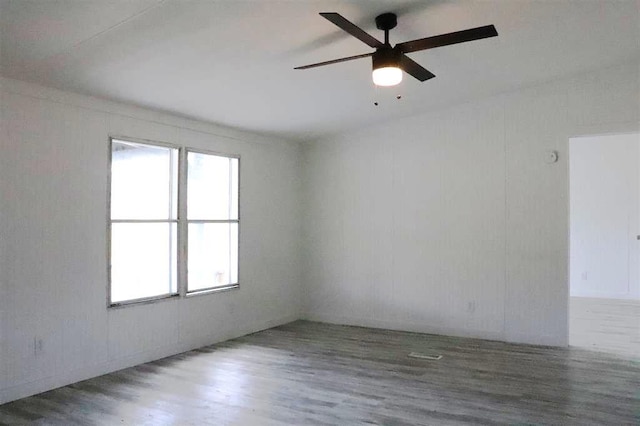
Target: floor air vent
(424, 356)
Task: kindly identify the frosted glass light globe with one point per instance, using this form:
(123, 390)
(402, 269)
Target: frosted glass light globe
(387, 76)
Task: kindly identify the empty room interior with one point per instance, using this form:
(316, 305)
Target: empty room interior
(331, 212)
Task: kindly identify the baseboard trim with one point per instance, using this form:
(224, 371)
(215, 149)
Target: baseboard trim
(607, 296)
(404, 326)
(538, 339)
(544, 340)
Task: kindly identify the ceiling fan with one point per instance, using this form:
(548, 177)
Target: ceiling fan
(388, 61)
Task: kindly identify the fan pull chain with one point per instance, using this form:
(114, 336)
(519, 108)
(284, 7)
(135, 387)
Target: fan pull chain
(386, 95)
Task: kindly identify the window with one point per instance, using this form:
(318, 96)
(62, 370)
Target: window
(143, 221)
(147, 207)
(212, 216)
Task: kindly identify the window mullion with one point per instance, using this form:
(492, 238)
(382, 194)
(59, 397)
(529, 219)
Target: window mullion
(182, 223)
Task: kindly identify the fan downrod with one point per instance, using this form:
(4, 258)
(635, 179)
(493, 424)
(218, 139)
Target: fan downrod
(386, 22)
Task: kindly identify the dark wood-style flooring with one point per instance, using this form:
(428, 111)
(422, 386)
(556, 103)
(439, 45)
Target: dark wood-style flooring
(307, 373)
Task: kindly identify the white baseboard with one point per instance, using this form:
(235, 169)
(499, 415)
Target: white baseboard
(538, 339)
(24, 390)
(404, 326)
(601, 295)
(545, 340)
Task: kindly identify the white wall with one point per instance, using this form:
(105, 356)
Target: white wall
(605, 220)
(53, 182)
(446, 222)
(451, 221)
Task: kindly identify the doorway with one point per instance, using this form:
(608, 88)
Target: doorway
(604, 176)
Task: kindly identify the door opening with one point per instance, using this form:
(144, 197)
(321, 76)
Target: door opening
(604, 176)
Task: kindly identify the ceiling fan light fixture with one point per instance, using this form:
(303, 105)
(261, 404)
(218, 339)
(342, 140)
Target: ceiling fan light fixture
(387, 76)
(386, 67)
(391, 62)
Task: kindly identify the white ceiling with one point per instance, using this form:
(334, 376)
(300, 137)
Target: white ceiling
(231, 62)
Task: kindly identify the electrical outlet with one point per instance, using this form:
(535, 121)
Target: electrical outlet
(38, 345)
(471, 306)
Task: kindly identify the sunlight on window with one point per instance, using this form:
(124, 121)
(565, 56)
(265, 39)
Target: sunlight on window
(143, 260)
(143, 182)
(144, 226)
(213, 255)
(212, 211)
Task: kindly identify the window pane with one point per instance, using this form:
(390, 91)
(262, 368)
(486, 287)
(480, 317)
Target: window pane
(212, 187)
(234, 187)
(143, 260)
(213, 255)
(143, 181)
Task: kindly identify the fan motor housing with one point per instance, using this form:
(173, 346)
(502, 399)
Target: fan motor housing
(386, 21)
(386, 57)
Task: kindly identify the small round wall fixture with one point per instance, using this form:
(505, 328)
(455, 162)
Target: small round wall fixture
(551, 157)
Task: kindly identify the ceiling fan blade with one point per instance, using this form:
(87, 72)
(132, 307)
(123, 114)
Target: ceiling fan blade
(447, 39)
(414, 69)
(348, 26)
(334, 61)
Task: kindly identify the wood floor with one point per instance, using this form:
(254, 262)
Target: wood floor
(606, 325)
(308, 373)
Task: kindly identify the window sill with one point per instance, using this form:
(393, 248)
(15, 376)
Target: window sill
(156, 299)
(144, 301)
(213, 290)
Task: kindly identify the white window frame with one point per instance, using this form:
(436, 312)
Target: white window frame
(186, 222)
(181, 222)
